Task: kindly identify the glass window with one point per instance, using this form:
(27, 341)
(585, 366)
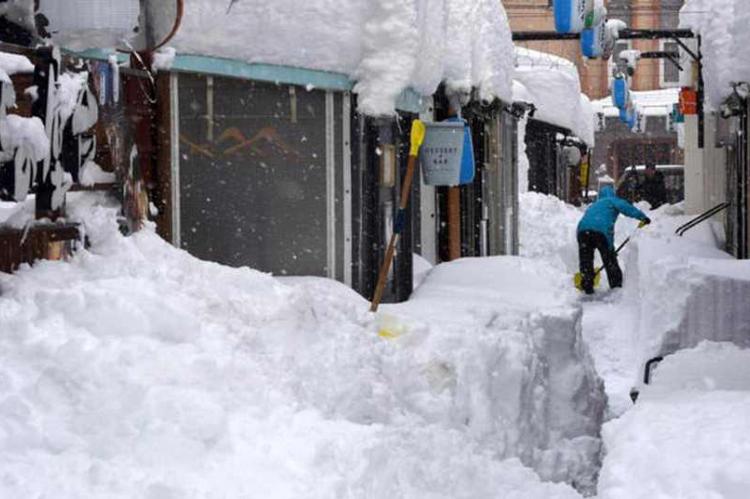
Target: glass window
(253, 174)
(669, 72)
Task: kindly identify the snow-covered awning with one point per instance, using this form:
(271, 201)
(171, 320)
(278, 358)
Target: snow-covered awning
(385, 46)
(725, 39)
(552, 84)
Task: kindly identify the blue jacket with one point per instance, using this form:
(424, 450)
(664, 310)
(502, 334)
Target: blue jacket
(602, 214)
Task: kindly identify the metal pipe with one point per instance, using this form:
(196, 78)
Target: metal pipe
(625, 34)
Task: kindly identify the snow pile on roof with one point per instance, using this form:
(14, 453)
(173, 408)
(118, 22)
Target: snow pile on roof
(725, 38)
(649, 102)
(552, 84)
(687, 435)
(385, 45)
(136, 370)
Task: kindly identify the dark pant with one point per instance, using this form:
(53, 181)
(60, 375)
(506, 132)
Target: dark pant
(588, 241)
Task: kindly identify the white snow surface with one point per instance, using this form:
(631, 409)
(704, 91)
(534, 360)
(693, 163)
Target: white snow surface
(725, 38)
(386, 46)
(136, 370)
(14, 63)
(687, 435)
(553, 85)
(648, 102)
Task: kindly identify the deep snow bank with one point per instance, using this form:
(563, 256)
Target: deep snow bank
(687, 288)
(687, 435)
(136, 370)
(547, 229)
(506, 344)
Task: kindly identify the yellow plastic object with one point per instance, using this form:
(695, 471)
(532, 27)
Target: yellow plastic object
(642, 224)
(389, 327)
(578, 280)
(417, 137)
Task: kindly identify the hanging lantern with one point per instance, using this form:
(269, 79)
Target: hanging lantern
(570, 15)
(628, 116)
(620, 92)
(599, 41)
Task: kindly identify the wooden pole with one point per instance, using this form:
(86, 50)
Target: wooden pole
(454, 223)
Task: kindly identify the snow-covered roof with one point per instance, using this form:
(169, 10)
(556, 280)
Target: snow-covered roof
(723, 25)
(386, 46)
(552, 84)
(650, 102)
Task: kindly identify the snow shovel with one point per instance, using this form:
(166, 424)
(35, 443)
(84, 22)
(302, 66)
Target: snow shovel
(417, 137)
(578, 278)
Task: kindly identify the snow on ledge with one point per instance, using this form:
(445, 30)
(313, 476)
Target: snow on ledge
(13, 63)
(385, 45)
(650, 102)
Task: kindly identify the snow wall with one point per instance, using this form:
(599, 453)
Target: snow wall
(507, 334)
(687, 435)
(689, 290)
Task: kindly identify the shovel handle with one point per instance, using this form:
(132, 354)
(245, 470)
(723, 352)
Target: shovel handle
(417, 137)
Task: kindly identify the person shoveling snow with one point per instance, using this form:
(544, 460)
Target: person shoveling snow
(596, 231)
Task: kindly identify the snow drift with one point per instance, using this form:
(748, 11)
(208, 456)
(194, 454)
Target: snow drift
(136, 370)
(687, 435)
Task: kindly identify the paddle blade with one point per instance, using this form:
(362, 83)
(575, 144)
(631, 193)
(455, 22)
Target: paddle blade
(578, 280)
(417, 137)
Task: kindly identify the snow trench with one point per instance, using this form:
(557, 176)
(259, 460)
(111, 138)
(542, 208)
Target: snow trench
(529, 389)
